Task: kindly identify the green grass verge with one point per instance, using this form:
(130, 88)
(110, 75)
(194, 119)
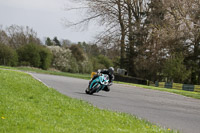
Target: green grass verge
(192, 94)
(30, 69)
(26, 105)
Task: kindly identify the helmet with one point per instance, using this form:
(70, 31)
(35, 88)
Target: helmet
(111, 70)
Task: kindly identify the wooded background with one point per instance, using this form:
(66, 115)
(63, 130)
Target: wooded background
(151, 39)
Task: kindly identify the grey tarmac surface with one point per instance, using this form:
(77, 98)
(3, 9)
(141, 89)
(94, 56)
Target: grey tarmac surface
(162, 108)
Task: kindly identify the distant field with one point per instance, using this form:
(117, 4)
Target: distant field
(26, 106)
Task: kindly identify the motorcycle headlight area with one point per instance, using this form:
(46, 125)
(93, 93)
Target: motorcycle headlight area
(105, 82)
(106, 77)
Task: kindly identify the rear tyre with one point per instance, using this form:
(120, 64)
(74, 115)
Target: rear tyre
(93, 90)
(86, 91)
(90, 92)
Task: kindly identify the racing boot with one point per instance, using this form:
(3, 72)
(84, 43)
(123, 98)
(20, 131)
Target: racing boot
(107, 89)
(88, 88)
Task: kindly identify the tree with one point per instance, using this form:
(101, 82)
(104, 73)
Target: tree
(123, 32)
(45, 57)
(66, 43)
(3, 36)
(61, 58)
(151, 41)
(124, 21)
(189, 12)
(109, 13)
(184, 21)
(48, 42)
(90, 49)
(84, 64)
(147, 35)
(19, 35)
(105, 61)
(8, 56)
(175, 69)
(29, 58)
(56, 41)
(77, 52)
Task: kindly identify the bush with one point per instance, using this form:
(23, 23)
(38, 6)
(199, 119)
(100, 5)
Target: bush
(130, 79)
(62, 58)
(77, 52)
(29, 53)
(74, 66)
(24, 63)
(104, 60)
(175, 70)
(8, 56)
(45, 58)
(34, 55)
(101, 62)
(85, 66)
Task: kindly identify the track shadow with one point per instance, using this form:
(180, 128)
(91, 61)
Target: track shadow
(90, 95)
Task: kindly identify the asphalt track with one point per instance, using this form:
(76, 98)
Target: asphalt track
(162, 108)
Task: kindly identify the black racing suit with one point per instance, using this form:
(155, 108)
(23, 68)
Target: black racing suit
(104, 71)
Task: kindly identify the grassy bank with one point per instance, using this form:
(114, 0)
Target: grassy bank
(29, 106)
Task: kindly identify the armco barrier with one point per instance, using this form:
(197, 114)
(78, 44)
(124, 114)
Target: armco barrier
(168, 84)
(151, 83)
(177, 86)
(162, 84)
(156, 84)
(129, 79)
(186, 87)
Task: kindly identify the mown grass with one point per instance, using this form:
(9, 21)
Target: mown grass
(26, 106)
(192, 94)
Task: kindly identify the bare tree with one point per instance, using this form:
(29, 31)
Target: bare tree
(18, 35)
(3, 36)
(109, 13)
(148, 30)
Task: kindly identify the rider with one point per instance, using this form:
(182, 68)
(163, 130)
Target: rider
(110, 73)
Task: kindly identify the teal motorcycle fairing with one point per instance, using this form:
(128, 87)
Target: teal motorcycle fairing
(99, 83)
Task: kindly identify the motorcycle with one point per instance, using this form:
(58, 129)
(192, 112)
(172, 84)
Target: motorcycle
(98, 84)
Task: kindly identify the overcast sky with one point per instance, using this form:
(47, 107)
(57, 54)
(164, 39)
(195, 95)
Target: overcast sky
(45, 17)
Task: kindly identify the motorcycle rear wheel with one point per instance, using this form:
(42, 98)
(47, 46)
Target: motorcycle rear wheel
(90, 92)
(86, 91)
